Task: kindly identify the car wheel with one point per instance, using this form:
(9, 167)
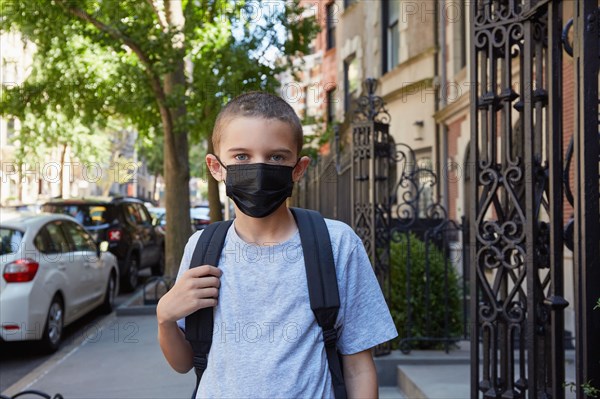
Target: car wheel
(109, 297)
(130, 279)
(54, 326)
(159, 268)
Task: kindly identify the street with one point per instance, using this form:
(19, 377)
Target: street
(17, 359)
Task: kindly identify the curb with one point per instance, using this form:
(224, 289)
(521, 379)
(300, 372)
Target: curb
(142, 310)
(408, 386)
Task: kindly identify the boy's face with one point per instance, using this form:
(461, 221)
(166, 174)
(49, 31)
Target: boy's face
(247, 140)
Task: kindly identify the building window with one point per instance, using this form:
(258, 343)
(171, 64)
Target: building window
(351, 81)
(391, 34)
(330, 25)
(331, 106)
(10, 130)
(460, 40)
(10, 71)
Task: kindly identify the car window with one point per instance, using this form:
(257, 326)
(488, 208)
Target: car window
(144, 216)
(41, 241)
(133, 214)
(98, 214)
(57, 241)
(80, 240)
(87, 215)
(10, 240)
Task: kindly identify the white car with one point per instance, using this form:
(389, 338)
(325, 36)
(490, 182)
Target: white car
(52, 273)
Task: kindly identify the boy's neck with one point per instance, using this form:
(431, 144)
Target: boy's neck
(273, 229)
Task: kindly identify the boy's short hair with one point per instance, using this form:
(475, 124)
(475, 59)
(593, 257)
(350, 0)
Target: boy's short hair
(258, 104)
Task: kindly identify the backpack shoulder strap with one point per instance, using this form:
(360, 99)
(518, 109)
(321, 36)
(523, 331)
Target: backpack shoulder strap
(322, 286)
(199, 325)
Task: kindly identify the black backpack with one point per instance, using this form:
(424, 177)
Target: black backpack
(322, 290)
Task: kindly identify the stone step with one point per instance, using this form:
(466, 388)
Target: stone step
(391, 393)
(387, 373)
(446, 381)
(450, 381)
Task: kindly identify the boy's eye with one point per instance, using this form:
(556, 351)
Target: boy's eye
(241, 157)
(277, 158)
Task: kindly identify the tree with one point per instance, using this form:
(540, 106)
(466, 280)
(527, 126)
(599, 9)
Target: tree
(159, 64)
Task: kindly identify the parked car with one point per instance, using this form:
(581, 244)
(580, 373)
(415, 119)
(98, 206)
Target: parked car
(52, 274)
(159, 218)
(31, 208)
(127, 226)
(199, 217)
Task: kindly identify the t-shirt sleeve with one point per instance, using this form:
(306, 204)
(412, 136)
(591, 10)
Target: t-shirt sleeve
(185, 264)
(366, 319)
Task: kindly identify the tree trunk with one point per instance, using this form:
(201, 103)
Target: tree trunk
(154, 187)
(61, 180)
(177, 190)
(20, 183)
(176, 157)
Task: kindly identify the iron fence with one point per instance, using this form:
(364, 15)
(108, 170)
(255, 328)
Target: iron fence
(416, 251)
(327, 187)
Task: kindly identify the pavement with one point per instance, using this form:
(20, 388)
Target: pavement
(119, 357)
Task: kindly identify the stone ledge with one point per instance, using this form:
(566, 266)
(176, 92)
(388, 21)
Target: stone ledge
(135, 305)
(387, 374)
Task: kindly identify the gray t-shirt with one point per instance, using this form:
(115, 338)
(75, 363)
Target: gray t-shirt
(266, 341)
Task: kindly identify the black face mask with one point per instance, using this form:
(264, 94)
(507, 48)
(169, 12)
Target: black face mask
(258, 189)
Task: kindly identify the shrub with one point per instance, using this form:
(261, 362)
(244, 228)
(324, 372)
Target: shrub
(427, 319)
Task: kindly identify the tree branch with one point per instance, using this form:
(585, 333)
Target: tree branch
(127, 41)
(176, 19)
(116, 34)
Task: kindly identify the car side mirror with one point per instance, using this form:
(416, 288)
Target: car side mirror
(102, 247)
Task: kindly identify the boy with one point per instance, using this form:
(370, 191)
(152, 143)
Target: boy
(266, 341)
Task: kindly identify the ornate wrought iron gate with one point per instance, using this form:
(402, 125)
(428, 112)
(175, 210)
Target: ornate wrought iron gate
(371, 157)
(390, 217)
(378, 189)
(516, 232)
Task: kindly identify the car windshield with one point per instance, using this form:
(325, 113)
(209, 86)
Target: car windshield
(87, 215)
(10, 240)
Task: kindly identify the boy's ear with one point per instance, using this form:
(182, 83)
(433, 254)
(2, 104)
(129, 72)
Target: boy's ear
(300, 168)
(215, 168)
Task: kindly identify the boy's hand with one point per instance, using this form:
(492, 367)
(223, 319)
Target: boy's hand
(197, 288)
